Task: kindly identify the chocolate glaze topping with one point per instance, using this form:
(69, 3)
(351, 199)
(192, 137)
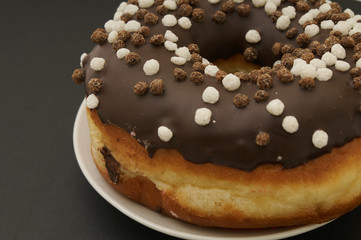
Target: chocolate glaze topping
(229, 140)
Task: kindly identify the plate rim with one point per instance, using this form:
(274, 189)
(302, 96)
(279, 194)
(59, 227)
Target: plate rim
(155, 226)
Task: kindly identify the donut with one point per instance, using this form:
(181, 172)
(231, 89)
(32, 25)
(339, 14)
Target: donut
(232, 114)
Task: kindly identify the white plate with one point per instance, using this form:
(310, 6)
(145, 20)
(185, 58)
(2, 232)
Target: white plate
(152, 219)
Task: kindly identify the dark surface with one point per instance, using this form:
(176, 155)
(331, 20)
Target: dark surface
(44, 195)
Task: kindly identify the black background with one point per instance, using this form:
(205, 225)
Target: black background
(43, 193)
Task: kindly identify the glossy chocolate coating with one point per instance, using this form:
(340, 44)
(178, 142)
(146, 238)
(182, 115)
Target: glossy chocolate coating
(229, 140)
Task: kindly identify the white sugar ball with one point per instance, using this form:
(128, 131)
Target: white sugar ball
(169, 20)
(324, 8)
(342, 66)
(97, 64)
(113, 35)
(283, 22)
(320, 139)
(122, 52)
(289, 11)
(183, 52)
(270, 8)
(305, 18)
(132, 26)
(214, 1)
(238, 1)
(170, 46)
(82, 57)
(314, 12)
(253, 36)
(92, 101)
(350, 12)
(151, 67)
(259, 3)
(358, 63)
(178, 60)
(276, 2)
(185, 23)
(203, 116)
(165, 134)
(145, 3)
(327, 24)
(312, 30)
(338, 51)
(231, 82)
(112, 25)
(170, 4)
(342, 27)
(131, 9)
(324, 74)
(298, 67)
(211, 70)
(117, 16)
(308, 71)
(169, 35)
(275, 107)
(210, 95)
(122, 7)
(318, 63)
(329, 59)
(290, 124)
(206, 62)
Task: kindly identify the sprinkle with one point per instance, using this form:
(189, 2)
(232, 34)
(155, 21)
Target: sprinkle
(151, 67)
(253, 36)
(151, 19)
(124, 35)
(193, 48)
(312, 30)
(261, 96)
(289, 11)
(99, 36)
(170, 4)
(169, 35)
(327, 24)
(141, 13)
(210, 95)
(342, 66)
(355, 72)
(162, 10)
(264, 81)
(180, 74)
(121, 53)
(263, 139)
(243, 10)
(307, 83)
(329, 59)
(240, 100)
(185, 10)
(303, 39)
(270, 8)
(78, 76)
(131, 9)
(132, 58)
(231, 82)
(185, 23)
(198, 15)
(219, 17)
(211, 70)
(283, 22)
(170, 46)
(290, 124)
(97, 64)
(137, 40)
(250, 54)
(308, 71)
(338, 51)
(140, 88)
(196, 77)
(259, 3)
(275, 107)
(156, 87)
(169, 20)
(178, 60)
(324, 74)
(132, 26)
(145, 3)
(203, 116)
(157, 40)
(320, 139)
(284, 75)
(357, 83)
(92, 101)
(165, 134)
(95, 85)
(199, 67)
(183, 52)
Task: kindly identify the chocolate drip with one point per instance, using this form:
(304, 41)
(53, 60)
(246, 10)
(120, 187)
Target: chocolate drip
(332, 106)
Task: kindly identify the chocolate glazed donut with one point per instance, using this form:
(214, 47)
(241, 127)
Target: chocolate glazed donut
(150, 79)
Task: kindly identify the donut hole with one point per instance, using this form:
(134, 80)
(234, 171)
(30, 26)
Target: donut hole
(235, 63)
